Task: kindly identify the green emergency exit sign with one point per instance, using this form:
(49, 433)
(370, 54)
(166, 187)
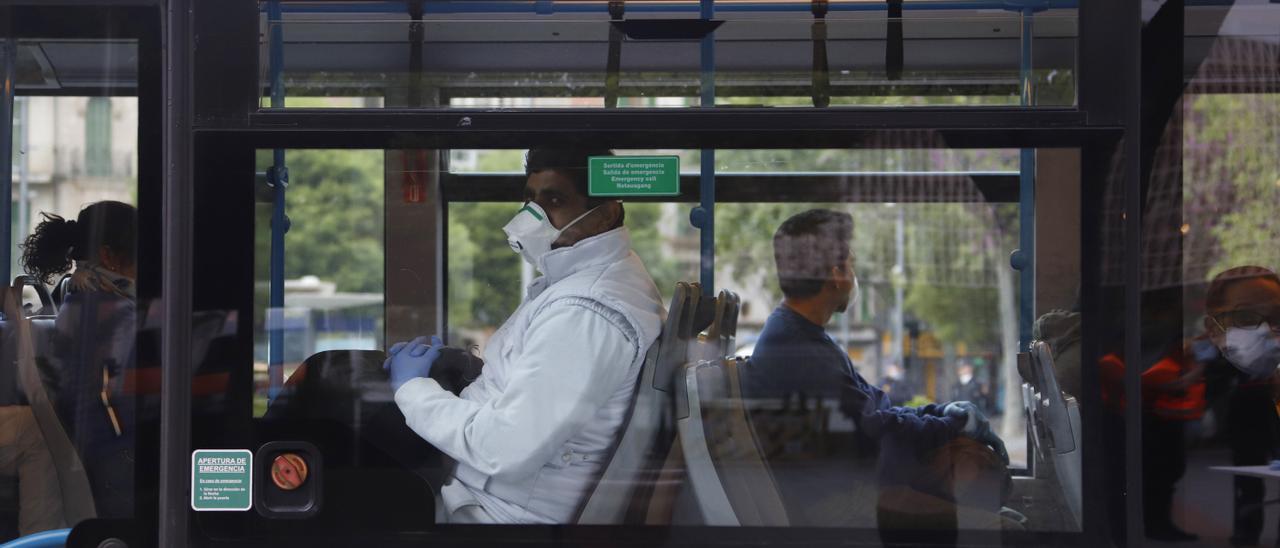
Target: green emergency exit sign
(621, 176)
(221, 480)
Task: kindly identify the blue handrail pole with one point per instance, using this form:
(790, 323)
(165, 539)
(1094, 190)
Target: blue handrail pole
(6, 150)
(278, 178)
(707, 179)
(1027, 198)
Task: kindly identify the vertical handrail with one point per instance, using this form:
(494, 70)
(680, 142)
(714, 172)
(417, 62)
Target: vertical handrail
(1025, 262)
(894, 41)
(821, 78)
(613, 63)
(705, 214)
(278, 178)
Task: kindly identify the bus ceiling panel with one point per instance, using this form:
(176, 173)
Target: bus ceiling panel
(951, 26)
(783, 187)
(676, 138)
(89, 67)
(307, 41)
(761, 57)
(572, 121)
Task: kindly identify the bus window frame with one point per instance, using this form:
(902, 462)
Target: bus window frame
(215, 147)
(228, 123)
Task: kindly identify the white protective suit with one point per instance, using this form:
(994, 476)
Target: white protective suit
(531, 433)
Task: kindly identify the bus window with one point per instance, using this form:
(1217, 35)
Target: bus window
(79, 389)
(333, 260)
(408, 244)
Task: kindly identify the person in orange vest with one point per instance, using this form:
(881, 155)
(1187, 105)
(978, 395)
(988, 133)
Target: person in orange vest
(1173, 395)
(1243, 322)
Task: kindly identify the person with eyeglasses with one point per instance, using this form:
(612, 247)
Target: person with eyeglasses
(1242, 320)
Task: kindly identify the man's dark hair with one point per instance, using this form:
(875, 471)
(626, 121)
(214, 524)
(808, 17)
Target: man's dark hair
(807, 246)
(1217, 292)
(570, 162)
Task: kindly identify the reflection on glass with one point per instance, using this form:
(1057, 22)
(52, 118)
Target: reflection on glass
(77, 398)
(1211, 300)
(929, 341)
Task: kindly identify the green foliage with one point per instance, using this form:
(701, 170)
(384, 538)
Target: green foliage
(335, 207)
(484, 275)
(1232, 181)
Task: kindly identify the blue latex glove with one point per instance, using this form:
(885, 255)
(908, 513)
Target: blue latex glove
(977, 426)
(411, 360)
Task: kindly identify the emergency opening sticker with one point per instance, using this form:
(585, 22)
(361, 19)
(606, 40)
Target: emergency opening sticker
(221, 480)
(634, 176)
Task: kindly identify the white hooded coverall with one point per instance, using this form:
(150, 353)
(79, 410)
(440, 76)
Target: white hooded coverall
(531, 433)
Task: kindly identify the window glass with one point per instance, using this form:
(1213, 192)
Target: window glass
(333, 256)
(833, 367)
(79, 391)
(1210, 296)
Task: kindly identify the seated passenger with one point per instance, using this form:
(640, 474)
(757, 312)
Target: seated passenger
(531, 433)
(794, 355)
(93, 343)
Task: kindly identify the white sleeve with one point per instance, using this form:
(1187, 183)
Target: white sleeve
(573, 359)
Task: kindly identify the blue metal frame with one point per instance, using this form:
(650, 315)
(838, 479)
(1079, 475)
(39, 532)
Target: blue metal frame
(704, 216)
(278, 178)
(1026, 254)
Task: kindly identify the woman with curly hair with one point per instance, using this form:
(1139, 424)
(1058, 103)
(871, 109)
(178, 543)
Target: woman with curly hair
(91, 353)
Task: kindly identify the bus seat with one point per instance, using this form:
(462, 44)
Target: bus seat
(726, 471)
(376, 467)
(713, 327)
(678, 331)
(25, 342)
(627, 485)
(671, 502)
(1054, 420)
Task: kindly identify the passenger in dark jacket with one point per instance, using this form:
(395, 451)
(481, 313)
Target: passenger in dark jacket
(794, 359)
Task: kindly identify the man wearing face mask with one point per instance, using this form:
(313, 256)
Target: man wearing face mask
(795, 360)
(1243, 321)
(530, 435)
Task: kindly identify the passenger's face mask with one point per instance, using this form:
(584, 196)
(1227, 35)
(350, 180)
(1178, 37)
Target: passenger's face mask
(854, 295)
(531, 234)
(1253, 350)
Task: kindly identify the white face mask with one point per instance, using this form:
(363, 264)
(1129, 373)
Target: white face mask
(530, 233)
(1254, 351)
(854, 295)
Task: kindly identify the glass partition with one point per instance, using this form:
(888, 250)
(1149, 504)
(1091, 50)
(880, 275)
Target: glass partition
(929, 316)
(79, 388)
(1210, 295)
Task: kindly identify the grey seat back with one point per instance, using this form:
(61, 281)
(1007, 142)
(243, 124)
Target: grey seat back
(1053, 418)
(727, 472)
(627, 483)
(77, 497)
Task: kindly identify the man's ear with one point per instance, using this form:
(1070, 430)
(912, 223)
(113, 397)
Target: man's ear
(612, 214)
